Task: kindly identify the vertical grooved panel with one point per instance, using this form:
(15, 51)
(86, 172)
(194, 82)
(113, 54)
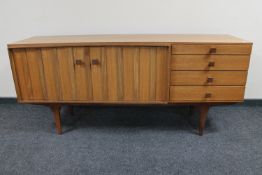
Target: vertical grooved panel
(120, 84)
(82, 73)
(161, 73)
(98, 74)
(130, 73)
(35, 67)
(152, 78)
(136, 73)
(12, 63)
(66, 71)
(51, 74)
(23, 75)
(144, 73)
(117, 74)
(111, 64)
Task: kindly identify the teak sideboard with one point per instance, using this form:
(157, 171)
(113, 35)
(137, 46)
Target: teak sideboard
(198, 70)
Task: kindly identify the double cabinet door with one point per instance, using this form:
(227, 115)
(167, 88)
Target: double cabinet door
(91, 74)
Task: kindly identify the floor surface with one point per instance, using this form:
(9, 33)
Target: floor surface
(130, 140)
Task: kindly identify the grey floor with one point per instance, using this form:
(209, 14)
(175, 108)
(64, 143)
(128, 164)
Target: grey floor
(130, 140)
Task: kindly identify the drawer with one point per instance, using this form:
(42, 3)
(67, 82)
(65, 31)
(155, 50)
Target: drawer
(211, 49)
(208, 77)
(209, 62)
(206, 93)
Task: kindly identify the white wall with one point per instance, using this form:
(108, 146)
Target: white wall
(23, 18)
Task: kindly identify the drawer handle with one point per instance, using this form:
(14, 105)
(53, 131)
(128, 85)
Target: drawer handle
(95, 62)
(212, 50)
(79, 62)
(208, 95)
(211, 64)
(210, 79)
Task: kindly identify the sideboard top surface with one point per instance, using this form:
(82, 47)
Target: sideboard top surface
(126, 39)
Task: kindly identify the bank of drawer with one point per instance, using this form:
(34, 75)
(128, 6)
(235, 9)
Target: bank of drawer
(209, 62)
(211, 49)
(208, 77)
(206, 93)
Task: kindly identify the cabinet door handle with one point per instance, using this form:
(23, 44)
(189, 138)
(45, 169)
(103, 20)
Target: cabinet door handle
(211, 64)
(212, 50)
(95, 62)
(79, 62)
(208, 95)
(210, 79)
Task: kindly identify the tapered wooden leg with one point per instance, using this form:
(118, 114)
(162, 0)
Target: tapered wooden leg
(56, 112)
(203, 110)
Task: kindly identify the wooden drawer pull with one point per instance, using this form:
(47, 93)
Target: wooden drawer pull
(208, 95)
(211, 64)
(210, 80)
(79, 62)
(212, 50)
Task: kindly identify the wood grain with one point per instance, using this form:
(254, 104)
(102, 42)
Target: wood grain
(197, 93)
(12, 64)
(205, 49)
(124, 73)
(144, 73)
(51, 74)
(98, 72)
(66, 72)
(130, 73)
(126, 40)
(200, 62)
(22, 73)
(200, 77)
(161, 73)
(36, 73)
(111, 54)
(82, 72)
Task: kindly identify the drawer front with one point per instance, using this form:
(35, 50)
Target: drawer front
(211, 49)
(206, 93)
(210, 62)
(208, 77)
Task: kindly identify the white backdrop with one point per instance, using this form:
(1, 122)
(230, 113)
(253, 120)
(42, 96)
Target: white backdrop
(20, 19)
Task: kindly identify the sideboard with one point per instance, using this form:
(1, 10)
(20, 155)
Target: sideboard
(195, 70)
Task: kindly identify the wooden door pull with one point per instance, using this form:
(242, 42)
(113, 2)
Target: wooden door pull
(79, 62)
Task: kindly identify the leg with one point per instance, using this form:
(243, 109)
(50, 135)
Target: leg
(56, 111)
(203, 110)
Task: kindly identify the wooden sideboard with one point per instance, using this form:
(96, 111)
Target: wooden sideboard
(197, 70)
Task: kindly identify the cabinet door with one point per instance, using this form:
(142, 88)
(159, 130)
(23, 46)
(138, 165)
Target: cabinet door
(132, 74)
(52, 74)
